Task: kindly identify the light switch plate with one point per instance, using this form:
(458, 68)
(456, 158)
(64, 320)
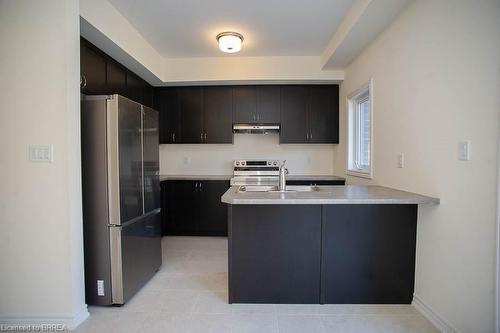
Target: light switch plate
(41, 153)
(401, 160)
(464, 150)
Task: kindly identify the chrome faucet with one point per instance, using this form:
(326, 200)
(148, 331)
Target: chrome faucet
(282, 177)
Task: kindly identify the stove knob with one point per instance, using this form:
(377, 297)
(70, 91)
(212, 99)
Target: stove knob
(275, 163)
(237, 163)
(243, 163)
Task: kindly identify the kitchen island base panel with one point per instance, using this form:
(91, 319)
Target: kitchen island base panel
(327, 254)
(274, 254)
(368, 254)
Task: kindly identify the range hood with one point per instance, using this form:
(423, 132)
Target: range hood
(256, 128)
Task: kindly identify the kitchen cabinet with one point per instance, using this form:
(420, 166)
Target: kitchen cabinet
(116, 78)
(167, 102)
(194, 208)
(191, 111)
(368, 254)
(195, 114)
(256, 104)
(102, 75)
(218, 122)
(274, 253)
(92, 70)
(327, 254)
(294, 126)
(309, 114)
(323, 114)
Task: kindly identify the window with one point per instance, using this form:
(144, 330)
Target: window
(359, 134)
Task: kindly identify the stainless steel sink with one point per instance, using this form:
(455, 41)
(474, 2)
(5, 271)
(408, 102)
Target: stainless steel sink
(272, 188)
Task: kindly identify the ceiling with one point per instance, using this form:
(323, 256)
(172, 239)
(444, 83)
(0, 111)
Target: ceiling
(187, 28)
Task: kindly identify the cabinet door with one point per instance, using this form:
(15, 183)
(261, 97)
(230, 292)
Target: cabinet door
(92, 69)
(213, 213)
(164, 197)
(166, 101)
(134, 87)
(294, 125)
(147, 94)
(218, 122)
(368, 254)
(245, 104)
(116, 78)
(181, 208)
(275, 254)
(268, 104)
(323, 114)
(191, 106)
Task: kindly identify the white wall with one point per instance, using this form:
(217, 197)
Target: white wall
(41, 252)
(206, 159)
(436, 78)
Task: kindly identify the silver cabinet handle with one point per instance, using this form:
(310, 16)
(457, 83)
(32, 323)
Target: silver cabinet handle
(196, 187)
(310, 136)
(173, 137)
(205, 137)
(200, 185)
(307, 136)
(201, 137)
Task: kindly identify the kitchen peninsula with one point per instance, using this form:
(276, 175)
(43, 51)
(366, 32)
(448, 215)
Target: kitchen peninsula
(322, 244)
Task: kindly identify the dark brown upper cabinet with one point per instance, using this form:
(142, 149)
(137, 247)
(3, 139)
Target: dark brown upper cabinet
(256, 104)
(294, 120)
(116, 78)
(191, 114)
(244, 104)
(268, 104)
(167, 102)
(100, 74)
(309, 114)
(218, 115)
(92, 70)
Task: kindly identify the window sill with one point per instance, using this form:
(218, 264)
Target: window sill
(367, 175)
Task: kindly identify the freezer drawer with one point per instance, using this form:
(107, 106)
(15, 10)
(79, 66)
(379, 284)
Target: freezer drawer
(135, 255)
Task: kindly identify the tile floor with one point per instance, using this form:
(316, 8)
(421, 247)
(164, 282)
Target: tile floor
(189, 294)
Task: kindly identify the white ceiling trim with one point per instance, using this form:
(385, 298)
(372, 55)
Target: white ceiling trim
(105, 26)
(365, 20)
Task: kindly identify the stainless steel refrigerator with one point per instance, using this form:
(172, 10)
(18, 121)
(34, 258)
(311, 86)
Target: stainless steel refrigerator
(121, 197)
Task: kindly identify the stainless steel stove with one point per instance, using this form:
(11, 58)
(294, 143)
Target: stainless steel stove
(255, 172)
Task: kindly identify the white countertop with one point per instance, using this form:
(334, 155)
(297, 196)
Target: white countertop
(328, 195)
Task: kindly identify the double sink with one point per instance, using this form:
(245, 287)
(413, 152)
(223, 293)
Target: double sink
(274, 188)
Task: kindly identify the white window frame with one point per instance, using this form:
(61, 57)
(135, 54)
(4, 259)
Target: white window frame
(353, 100)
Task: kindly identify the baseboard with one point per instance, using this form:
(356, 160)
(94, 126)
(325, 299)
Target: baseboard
(436, 319)
(70, 322)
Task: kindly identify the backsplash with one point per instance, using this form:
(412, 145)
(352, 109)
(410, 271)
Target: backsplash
(217, 159)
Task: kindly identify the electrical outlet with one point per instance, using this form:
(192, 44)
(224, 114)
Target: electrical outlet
(464, 151)
(401, 160)
(41, 153)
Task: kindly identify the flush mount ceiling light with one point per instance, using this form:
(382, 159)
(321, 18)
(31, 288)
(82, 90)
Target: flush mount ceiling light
(229, 42)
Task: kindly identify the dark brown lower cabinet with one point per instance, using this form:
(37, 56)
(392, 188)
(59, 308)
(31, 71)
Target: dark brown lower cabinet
(351, 254)
(368, 254)
(274, 253)
(194, 207)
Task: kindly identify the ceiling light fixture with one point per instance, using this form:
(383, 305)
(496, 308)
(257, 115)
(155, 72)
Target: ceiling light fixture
(229, 42)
